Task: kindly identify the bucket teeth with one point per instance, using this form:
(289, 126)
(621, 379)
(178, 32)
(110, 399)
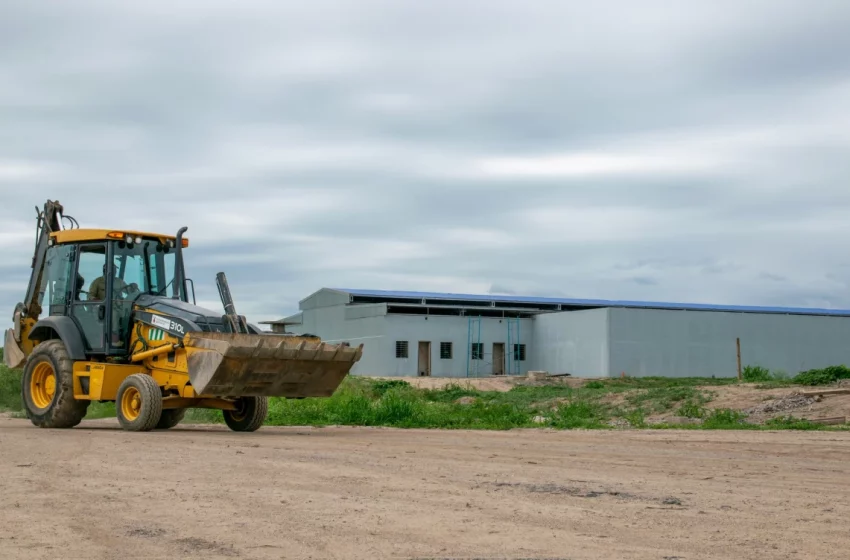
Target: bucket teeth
(226, 364)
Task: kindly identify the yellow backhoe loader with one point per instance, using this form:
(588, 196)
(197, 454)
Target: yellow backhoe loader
(107, 317)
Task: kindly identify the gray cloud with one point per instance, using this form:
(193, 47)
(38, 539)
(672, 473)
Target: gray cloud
(606, 150)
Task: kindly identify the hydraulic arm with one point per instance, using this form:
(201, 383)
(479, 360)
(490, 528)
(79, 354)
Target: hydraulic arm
(17, 344)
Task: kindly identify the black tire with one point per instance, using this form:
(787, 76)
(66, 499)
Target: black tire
(138, 404)
(249, 415)
(170, 418)
(53, 407)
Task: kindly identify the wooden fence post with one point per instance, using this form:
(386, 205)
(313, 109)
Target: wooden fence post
(738, 343)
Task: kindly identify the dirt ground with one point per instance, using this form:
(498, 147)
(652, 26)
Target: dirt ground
(201, 491)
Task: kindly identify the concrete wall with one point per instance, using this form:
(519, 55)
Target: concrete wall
(701, 343)
(330, 324)
(323, 298)
(437, 329)
(574, 342)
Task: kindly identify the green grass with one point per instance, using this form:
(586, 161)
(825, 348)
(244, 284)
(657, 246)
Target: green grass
(664, 399)
(10, 389)
(366, 402)
(362, 402)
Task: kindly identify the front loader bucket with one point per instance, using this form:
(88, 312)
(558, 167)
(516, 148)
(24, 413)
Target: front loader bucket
(235, 365)
(13, 356)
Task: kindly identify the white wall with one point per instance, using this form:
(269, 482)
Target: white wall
(437, 329)
(323, 298)
(574, 342)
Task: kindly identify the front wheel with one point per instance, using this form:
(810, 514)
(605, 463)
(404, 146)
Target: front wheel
(249, 415)
(138, 404)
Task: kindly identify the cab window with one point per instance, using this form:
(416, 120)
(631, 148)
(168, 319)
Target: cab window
(92, 267)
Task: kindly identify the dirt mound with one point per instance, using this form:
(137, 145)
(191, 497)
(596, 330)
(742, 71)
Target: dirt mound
(501, 384)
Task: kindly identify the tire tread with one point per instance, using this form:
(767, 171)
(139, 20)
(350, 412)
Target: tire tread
(65, 411)
(150, 394)
(258, 410)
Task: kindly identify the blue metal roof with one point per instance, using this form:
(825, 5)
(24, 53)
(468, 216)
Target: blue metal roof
(594, 302)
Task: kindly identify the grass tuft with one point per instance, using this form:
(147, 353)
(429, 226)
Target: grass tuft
(691, 409)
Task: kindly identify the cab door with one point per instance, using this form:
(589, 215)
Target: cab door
(89, 307)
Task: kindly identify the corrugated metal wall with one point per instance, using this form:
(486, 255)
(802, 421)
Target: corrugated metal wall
(702, 343)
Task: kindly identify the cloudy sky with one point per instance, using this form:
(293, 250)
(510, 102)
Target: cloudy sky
(676, 151)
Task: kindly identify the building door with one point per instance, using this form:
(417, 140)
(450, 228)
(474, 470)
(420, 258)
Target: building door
(424, 358)
(498, 358)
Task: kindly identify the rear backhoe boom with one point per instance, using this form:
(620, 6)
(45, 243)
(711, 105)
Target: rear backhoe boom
(112, 332)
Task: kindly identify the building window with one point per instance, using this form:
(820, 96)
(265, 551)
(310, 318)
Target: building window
(477, 350)
(445, 350)
(401, 349)
(519, 352)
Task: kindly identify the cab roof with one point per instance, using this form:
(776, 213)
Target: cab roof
(83, 234)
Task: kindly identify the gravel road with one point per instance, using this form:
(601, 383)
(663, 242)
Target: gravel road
(202, 491)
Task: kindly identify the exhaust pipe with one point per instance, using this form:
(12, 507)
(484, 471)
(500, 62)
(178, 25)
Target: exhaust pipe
(180, 270)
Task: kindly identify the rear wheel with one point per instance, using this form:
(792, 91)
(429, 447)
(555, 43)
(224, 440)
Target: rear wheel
(170, 418)
(138, 404)
(47, 388)
(249, 415)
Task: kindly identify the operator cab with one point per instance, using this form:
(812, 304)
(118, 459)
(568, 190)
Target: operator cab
(110, 270)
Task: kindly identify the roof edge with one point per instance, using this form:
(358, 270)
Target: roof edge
(576, 302)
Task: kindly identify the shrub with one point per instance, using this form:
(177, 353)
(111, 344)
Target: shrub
(823, 376)
(577, 414)
(691, 409)
(752, 374)
(724, 419)
(636, 417)
(594, 385)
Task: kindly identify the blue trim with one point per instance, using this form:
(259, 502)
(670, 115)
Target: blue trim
(595, 302)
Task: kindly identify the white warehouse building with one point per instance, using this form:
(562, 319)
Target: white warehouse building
(465, 335)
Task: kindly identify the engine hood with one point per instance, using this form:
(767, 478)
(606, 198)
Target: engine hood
(198, 318)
